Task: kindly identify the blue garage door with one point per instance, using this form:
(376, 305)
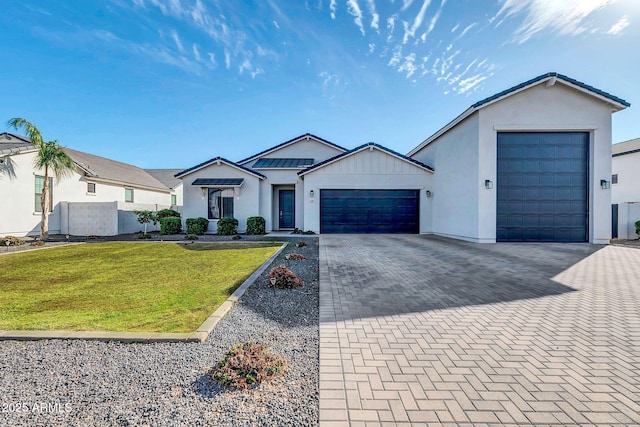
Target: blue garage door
(369, 211)
(542, 187)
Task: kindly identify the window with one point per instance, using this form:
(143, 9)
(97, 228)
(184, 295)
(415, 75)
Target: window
(220, 203)
(614, 178)
(38, 193)
(128, 195)
(91, 187)
(173, 200)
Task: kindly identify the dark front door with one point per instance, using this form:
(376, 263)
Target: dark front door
(542, 187)
(369, 211)
(287, 209)
(614, 221)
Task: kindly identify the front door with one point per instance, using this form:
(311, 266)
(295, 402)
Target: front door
(287, 209)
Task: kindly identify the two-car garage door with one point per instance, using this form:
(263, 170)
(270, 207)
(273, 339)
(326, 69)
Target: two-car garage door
(369, 211)
(542, 186)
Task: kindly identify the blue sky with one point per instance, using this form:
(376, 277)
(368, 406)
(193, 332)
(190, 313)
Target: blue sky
(171, 83)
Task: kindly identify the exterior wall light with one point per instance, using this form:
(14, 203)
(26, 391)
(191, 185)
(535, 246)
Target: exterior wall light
(312, 193)
(604, 184)
(488, 184)
(428, 193)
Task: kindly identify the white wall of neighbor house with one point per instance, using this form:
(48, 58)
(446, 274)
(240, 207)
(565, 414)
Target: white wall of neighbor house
(627, 167)
(455, 182)
(628, 214)
(178, 191)
(19, 192)
(376, 170)
(556, 108)
(304, 148)
(246, 199)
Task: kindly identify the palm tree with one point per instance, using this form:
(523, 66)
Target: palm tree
(52, 158)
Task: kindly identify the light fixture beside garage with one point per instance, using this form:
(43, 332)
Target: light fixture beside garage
(428, 193)
(312, 193)
(604, 184)
(488, 184)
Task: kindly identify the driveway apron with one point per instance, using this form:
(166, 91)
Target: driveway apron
(423, 330)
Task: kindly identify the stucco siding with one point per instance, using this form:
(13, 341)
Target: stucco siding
(456, 181)
(246, 198)
(538, 109)
(366, 170)
(627, 167)
(305, 148)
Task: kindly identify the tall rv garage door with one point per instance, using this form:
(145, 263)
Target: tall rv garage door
(542, 187)
(369, 211)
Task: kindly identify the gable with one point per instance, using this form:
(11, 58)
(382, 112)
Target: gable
(303, 147)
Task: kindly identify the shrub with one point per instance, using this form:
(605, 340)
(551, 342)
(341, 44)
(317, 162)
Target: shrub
(167, 213)
(12, 241)
(227, 226)
(256, 225)
(284, 278)
(247, 364)
(236, 237)
(191, 237)
(197, 226)
(37, 243)
(298, 231)
(294, 257)
(170, 225)
(301, 244)
(637, 223)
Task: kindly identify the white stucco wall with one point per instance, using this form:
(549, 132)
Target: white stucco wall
(557, 108)
(366, 170)
(305, 148)
(628, 214)
(456, 183)
(178, 191)
(246, 199)
(18, 216)
(627, 189)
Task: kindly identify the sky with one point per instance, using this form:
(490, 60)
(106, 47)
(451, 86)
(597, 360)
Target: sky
(172, 83)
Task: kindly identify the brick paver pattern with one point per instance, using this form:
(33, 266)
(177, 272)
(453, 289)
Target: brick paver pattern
(422, 330)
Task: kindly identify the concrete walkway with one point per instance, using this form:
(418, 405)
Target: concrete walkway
(422, 330)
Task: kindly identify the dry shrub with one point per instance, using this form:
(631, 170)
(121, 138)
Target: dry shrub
(294, 257)
(248, 364)
(284, 278)
(13, 241)
(301, 244)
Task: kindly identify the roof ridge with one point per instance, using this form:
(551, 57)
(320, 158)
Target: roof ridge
(291, 141)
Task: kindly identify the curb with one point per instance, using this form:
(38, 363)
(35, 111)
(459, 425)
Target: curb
(200, 335)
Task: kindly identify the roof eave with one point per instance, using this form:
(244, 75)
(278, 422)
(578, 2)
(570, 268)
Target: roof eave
(292, 141)
(246, 170)
(443, 130)
(129, 184)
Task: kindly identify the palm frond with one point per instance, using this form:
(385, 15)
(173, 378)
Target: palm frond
(29, 129)
(53, 156)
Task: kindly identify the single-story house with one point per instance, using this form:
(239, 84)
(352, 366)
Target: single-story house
(91, 201)
(168, 178)
(531, 163)
(625, 188)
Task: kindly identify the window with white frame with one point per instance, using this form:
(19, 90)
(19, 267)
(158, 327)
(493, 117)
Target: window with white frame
(220, 203)
(91, 187)
(614, 178)
(38, 193)
(173, 200)
(128, 195)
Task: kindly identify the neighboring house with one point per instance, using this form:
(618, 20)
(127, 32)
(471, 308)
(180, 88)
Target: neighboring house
(168, 178)
(625, 188)
(95, 181)
(531, 163)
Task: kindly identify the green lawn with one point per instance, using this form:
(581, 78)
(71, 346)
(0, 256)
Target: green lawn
(122, 286)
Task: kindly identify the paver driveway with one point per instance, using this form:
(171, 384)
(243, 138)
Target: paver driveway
(428, 330)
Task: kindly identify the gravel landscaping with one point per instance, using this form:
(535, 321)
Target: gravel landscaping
(57, 382)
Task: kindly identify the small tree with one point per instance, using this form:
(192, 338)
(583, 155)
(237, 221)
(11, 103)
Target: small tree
(637, 223)
(146, 217)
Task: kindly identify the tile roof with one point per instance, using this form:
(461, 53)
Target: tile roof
(166, 176)
(283, 163)
(545, 76)
(11, 143)
(221, 159)
(234, 182)
(359, 148)
(626, 147)
(112, 170)
(275, 147)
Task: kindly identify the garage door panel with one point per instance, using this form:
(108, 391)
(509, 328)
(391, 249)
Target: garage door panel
(369, 211)
(542, 186)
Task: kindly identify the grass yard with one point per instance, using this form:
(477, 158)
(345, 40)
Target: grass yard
(123, 286)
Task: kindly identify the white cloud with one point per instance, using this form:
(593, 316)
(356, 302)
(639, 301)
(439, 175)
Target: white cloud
(619, 26)
(391, 25)
(434, 20)
(227, 59)
(196, 52)
(356, 12)
(372, 48)
(375, 16)
(176, 39)
(466, 30)
(417, 22)
(406, 4)
(212, 60)
(275, 24)
(454, 29)
(408, 66)
(563, 17)
(332, 7)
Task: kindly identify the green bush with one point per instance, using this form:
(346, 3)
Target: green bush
(637, 228)
(247, 364)
(256, 225)
(167, 213)
(227, 226)
(170, 225)
(197, 226)
(12, 240)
